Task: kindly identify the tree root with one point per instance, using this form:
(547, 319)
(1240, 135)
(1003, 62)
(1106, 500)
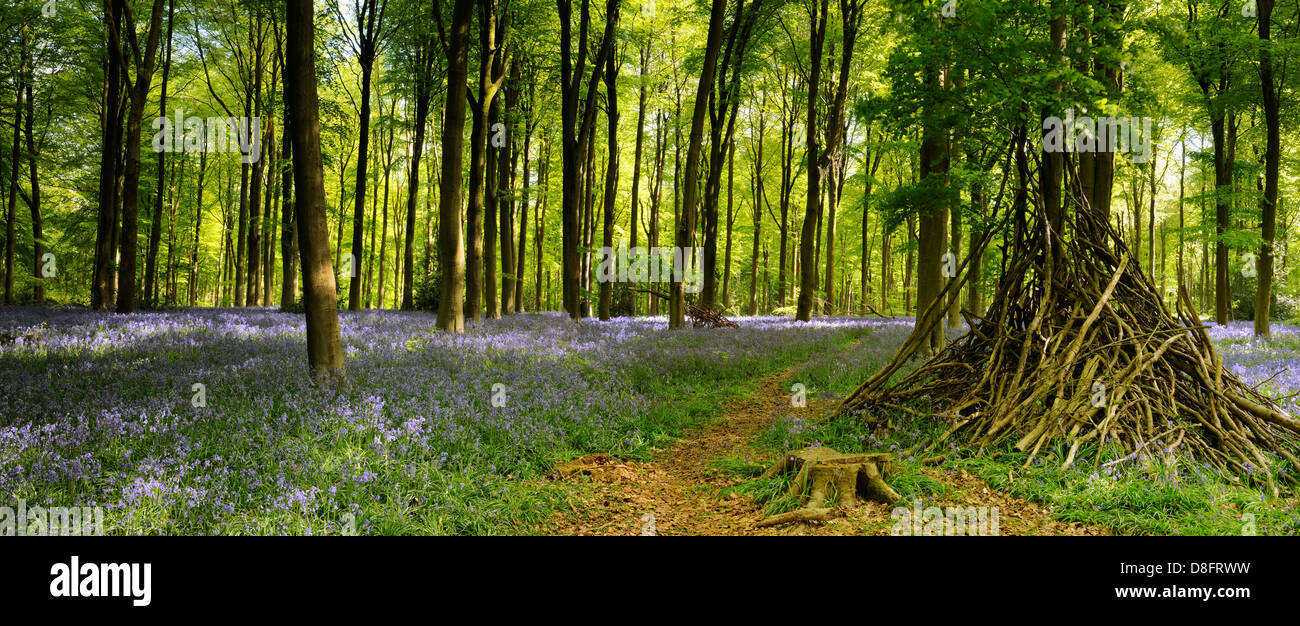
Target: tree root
(800, 515)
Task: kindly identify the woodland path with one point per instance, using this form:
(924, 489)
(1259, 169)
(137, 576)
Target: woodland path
(682, 489)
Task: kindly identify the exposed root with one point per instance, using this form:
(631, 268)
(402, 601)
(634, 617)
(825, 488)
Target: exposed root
(800, 515)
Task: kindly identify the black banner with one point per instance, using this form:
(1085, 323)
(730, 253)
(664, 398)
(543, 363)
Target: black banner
(154, 578)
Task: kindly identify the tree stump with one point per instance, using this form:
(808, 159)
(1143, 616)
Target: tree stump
(818, 469)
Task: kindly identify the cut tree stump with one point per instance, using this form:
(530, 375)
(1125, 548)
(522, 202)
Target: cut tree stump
(818, 469)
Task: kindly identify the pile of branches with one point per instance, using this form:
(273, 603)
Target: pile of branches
(708, 318)
(1078, 347)
(700, 316)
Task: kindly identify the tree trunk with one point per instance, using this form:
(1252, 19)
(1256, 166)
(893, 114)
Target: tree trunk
(491, 33)
(932, 226)
(101, 288)
(383, 231)
(544, 181)
(726, 256)
(423, 94)
(686, 225)
(451, 250)
(867, 185)
(1222, 183)
(521, 264)
(756, 207)
(1272, 157)
(126, 285)
(812, 214)
(656, 193)
(611, 175)
(575, 132)
(11, 212)
(506, 199)
(198, 225)
(642, 90)
(324, 349)
(288, 219)
(368, 44)
(491, 188)
(155, 228)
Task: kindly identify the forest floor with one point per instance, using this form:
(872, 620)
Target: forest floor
(205, 421)
(691, 488)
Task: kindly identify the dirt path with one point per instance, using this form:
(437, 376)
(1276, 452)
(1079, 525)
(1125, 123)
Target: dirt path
(682, 489)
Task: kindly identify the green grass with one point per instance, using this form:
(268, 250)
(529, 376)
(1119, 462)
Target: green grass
(1183, 499)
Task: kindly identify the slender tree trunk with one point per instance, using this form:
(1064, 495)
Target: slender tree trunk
(756, 207)
(611, 175)
(11, 212)
(273, 191)
(388, 177)
(812, 213)
(1151, 212)
(954, 296)
(588, 223)
(975, 257)
(169, 281)
(686, 226)
(198, 228)
(491, 183)
(241, 237)
(255, 215)
(833, 160)
(155, 229)
(868, 182)
(656, 193)
(491, 75)
(726, 256)
(544, 181)
(423, 94)
(1272, 158)
(368, 283)
(368, 40)
(1222, 183)
(521, 264)
(101, 289)
(642, 90)
(1182, 201)
(288, 216)
(126, 287)
(505, 196)
(886, 276)
(787, 186)
(911, 259)
(576, 126)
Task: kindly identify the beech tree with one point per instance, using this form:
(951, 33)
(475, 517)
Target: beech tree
(324, 347)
